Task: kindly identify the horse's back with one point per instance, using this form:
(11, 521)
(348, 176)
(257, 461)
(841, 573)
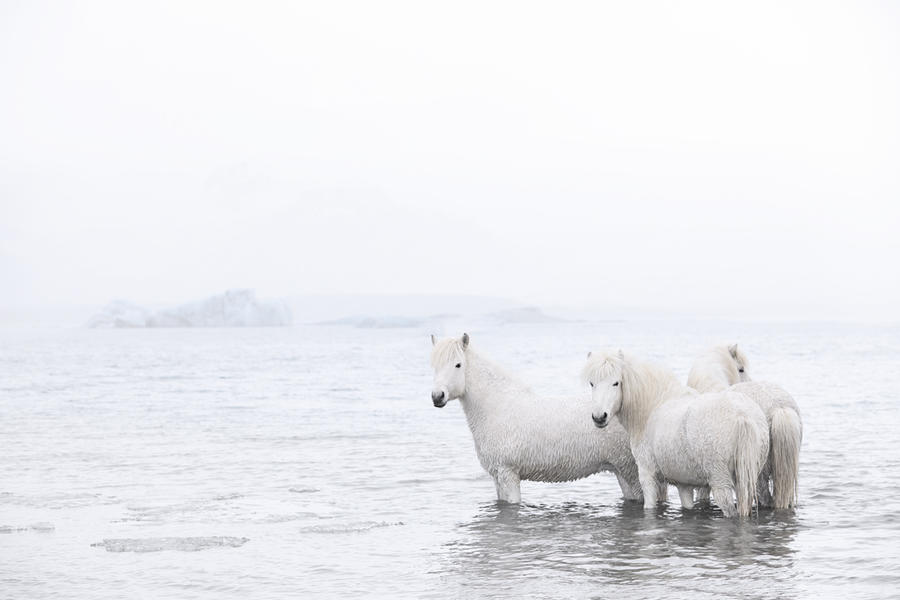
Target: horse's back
(768, 396)
(694, 435)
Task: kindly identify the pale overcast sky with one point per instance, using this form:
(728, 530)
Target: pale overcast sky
(704, 157)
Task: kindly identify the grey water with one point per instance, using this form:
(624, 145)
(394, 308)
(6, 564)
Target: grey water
(309, 462)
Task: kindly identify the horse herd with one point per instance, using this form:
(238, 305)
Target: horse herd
(720, 435)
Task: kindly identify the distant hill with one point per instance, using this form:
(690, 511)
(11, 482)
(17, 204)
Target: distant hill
(525, 314)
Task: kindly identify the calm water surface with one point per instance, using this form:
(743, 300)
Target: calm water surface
(309, 462)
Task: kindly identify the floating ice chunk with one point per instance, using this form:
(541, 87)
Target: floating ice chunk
(183, 544)
(39, 527)
(349, 527)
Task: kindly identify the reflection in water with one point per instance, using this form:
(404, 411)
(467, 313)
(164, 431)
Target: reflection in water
(571, 547)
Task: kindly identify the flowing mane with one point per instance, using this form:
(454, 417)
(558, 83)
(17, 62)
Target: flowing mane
(717, 369)
(644, 386)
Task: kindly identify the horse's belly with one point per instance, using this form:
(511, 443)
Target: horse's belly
(561, 471)
(675, 462)
(677, 472)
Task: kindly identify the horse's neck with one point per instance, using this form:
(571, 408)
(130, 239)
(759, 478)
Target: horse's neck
(648, 388)
(715, 381)
(488, 388)
(710, 374)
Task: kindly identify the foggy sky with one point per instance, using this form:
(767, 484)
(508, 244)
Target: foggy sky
(694, 157)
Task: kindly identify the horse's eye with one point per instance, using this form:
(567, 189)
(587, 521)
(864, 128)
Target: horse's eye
(458, 365)
(615, 384)
(592, 384)
(740, 370)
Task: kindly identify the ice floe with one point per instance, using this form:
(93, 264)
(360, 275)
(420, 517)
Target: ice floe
(181, 544)
(39, 527)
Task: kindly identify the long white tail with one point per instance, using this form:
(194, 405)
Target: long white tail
(785, 456)
(751, 449)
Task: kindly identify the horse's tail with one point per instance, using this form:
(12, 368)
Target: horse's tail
(785, 456)
(751, 449)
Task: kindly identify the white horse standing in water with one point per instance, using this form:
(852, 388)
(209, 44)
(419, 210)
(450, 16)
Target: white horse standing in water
(719, 440)
(727, 368)
(521, 436)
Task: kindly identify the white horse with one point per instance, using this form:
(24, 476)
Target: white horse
(726, 368)
(520, 435)
(719, 440)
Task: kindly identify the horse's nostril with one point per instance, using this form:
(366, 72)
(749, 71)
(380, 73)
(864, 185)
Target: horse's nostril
(601, 420)
(437, 396)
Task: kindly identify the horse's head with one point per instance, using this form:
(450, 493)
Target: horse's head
(603, 372)
(448, 358)
(740, 363)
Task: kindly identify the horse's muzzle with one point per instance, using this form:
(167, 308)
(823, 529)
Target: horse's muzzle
(601, 421)
(439, 399)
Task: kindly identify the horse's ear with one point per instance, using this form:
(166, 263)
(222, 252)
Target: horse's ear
(732, 349)
(589, 354)
(621, 354)
(465, 341)
(433, 340)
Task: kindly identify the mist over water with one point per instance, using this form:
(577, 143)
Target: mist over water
(699, 158)
(309, 462)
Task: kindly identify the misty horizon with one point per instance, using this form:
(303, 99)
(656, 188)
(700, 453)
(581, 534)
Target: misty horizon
(694, 159)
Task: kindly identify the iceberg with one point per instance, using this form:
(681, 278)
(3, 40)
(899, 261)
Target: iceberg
(234, 308)
(120, 313)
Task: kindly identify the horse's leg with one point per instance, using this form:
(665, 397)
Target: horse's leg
(662, 494)
(649, 485)
(628, 492)
(687, 495)
(763, 495)
(507, 484)
(723, 495)
(703, 494)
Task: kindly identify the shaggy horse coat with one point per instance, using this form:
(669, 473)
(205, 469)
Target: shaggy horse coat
(719, 440)
(520, 435)
(726, 368)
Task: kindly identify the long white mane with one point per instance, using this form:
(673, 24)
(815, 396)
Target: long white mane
(716, 370)
(644, 385)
